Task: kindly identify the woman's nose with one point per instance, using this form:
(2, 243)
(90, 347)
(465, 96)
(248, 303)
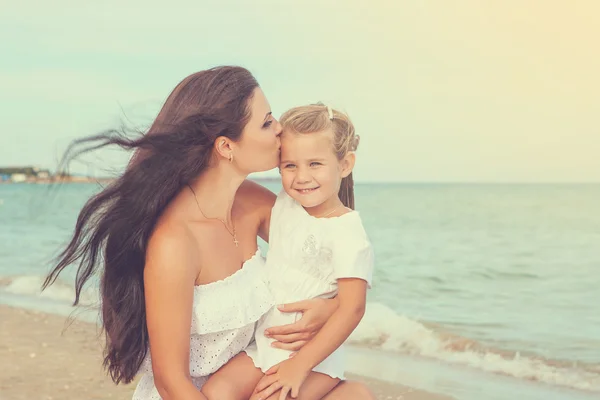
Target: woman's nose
(278, 128)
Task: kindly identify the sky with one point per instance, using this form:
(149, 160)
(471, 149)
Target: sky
(439, 91)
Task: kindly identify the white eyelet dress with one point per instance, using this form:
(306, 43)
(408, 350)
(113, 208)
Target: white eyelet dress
(306, 257)
(224, 318)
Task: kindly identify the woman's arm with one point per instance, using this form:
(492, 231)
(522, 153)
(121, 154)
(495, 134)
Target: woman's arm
(169, 277)
(315, 313)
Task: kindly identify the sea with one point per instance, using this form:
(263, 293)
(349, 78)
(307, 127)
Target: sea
(480, 291)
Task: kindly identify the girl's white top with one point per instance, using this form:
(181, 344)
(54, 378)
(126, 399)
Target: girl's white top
(224, 318)
(306, 257)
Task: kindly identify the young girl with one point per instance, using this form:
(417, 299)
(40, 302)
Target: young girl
(317, 248)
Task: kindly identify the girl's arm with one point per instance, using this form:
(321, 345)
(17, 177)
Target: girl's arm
(352, 295)
(353, 269)
(353, 264)
(290, 374)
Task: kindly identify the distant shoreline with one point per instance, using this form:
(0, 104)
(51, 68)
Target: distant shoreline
(85, 179)
(105, 180)
(62, 180)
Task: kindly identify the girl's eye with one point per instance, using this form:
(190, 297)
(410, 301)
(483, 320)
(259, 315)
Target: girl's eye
(289, 166)
(268, 123)
(315, 164)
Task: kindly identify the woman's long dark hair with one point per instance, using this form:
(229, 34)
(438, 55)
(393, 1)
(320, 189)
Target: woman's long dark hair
(114, 226)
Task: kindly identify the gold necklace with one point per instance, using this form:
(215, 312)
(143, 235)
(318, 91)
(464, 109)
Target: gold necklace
(233, 234)
(330, 212)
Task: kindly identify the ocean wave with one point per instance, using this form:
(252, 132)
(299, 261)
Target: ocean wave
(383, 329)
(31, 285)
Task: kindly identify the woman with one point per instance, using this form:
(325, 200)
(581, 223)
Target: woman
(175, 237)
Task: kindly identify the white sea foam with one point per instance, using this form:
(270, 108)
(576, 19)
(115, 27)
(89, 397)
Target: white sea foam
(382, 328)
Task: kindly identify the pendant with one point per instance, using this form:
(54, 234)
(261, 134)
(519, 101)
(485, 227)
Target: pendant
(235, 241)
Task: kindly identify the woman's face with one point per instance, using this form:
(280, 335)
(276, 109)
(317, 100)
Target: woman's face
(258, 148)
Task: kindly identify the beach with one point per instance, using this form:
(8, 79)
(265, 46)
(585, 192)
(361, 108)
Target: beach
(48, 357)
(479, 292)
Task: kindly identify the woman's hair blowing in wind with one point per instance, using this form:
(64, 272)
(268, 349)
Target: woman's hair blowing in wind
(114, 226)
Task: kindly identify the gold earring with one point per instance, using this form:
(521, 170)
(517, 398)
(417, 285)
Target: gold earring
(230, 157)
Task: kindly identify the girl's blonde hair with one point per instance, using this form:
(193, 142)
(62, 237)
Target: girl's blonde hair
(317, 118)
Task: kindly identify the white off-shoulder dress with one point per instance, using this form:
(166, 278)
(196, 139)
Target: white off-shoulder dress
(306, 257)
(223, 323)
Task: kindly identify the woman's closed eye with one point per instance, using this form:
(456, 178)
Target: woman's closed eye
(268, 123)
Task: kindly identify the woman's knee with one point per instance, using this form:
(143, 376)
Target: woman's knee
(219, 389)
(235, 380)
(360, 390)
(350, 390)
(363, 391)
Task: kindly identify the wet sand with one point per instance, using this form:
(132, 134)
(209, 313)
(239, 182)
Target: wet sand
(48, 357)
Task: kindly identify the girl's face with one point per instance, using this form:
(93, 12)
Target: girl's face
(310, 171)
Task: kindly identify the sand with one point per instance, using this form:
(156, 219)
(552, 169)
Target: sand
(45, 357)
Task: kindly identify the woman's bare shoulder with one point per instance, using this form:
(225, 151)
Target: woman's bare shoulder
(257, 202)
(172, 246)
(255, 196)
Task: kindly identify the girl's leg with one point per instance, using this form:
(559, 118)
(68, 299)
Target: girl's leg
(235, 380)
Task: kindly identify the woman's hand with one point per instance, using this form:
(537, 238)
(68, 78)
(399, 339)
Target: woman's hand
(315, 313)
